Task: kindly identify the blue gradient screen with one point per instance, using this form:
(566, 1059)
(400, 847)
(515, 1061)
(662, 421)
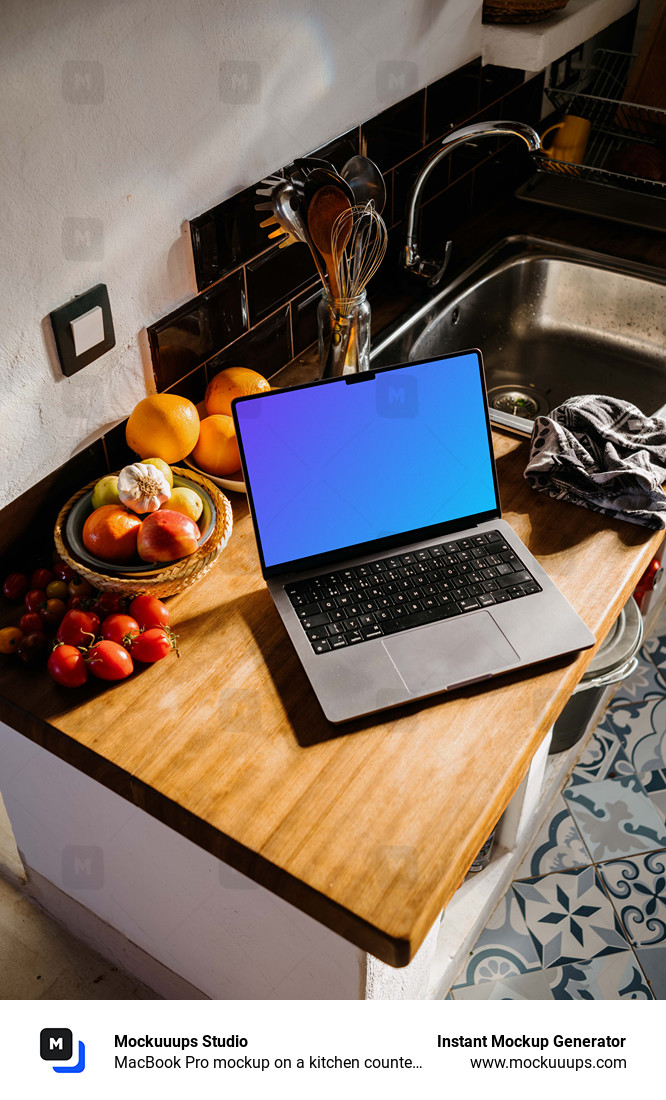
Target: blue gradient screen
(337, 464)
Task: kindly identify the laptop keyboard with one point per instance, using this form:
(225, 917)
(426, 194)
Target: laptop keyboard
(383, 597)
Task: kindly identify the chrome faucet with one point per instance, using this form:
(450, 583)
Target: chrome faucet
(432, 270)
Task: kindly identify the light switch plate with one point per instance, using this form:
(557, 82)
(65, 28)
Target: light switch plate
(83, 314)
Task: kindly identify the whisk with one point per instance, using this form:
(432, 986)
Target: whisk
(358, 245)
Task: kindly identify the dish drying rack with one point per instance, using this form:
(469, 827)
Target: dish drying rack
(593, 187)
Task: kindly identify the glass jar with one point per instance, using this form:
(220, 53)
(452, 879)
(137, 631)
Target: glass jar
(343, 326)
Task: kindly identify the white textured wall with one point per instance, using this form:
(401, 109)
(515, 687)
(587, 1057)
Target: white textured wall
(117, 128)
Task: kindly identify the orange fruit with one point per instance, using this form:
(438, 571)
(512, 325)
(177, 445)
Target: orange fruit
(163, 426)
(230, 383)
(110, 533)
(216, 451)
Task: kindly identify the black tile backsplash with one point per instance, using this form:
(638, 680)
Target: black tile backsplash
(266, 345)
(227, 236)
(276, 277)
(393, 135)
(452, 100)
(195, 331)
(233, 256)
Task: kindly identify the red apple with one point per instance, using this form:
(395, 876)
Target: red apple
(167, 536)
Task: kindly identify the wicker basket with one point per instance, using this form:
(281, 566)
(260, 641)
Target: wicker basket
(168, 579)
(520, 11)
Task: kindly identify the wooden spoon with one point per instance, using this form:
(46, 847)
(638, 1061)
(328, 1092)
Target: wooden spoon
(325, 206)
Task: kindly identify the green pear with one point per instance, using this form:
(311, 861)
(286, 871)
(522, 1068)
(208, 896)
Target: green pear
(106, 491)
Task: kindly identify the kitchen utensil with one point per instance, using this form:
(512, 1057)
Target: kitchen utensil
(327, 204)
(288, 217)
(366, 181)
(358, 246)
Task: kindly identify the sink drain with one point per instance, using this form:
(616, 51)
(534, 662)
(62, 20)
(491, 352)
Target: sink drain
(527, 403)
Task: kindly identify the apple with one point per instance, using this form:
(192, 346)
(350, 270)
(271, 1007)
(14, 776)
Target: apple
(106, 491)
(167, 536)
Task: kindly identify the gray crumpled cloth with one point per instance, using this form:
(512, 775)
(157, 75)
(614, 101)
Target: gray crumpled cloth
(603, 454)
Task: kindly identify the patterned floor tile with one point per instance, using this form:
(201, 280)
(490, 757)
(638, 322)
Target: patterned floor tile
(525, 987)
(557, 846)
(504, 949)
(609, 978)
(569, 917)
(653, 961)
(644, 681)
(654, 785)
(641, 729)
(638, 891)
(616, 817)
(603, 757)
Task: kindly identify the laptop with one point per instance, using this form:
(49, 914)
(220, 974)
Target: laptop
(377, 517)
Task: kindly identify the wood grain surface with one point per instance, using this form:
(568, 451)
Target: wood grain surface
(371, 826)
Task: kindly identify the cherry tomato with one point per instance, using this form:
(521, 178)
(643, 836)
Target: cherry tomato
(79, 586)
(151, 645)
(109, 603)
(31, 623)
(80, 601)
(40, 578)
(118, 627)
(63, 571)
(67, 666)
(57, 590)
(34, 599)
(149, 611)
(10, 637)
(78, 628)
(53, 612)
(15, 586)
(109, 661)
(32, 648)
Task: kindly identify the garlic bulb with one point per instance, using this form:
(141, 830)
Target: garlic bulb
(142, 488)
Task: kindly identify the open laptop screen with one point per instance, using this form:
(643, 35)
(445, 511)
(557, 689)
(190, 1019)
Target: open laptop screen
(347, 462)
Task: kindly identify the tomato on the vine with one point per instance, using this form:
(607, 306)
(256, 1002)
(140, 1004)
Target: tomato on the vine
(16, 585)
(149, 611)
(151, 645)
(57, 590)
(79, 586)
(67, 666)
(78, 627)
(31, 648)
(40, 578)
(10, 637)
(108, 603)
(117, 628)
(53, 612)
(109, 661)
(34, 599)
(31, 622)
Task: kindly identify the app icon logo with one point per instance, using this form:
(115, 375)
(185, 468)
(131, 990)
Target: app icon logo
(56, 1045)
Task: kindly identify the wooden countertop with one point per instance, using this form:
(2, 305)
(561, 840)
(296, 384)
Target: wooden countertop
(368, 827)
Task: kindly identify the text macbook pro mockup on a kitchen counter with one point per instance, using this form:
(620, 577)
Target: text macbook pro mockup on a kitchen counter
(376, 511)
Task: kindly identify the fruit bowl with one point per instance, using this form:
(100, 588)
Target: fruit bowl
(133, 577)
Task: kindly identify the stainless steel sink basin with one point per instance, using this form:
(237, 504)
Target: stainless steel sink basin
(551, 321)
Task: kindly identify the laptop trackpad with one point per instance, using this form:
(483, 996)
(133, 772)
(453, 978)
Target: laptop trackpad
(451, 652)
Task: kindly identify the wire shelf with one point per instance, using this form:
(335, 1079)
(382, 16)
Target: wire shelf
(615, 125)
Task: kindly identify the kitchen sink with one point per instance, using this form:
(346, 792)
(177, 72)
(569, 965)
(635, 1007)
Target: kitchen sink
(552, 321)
